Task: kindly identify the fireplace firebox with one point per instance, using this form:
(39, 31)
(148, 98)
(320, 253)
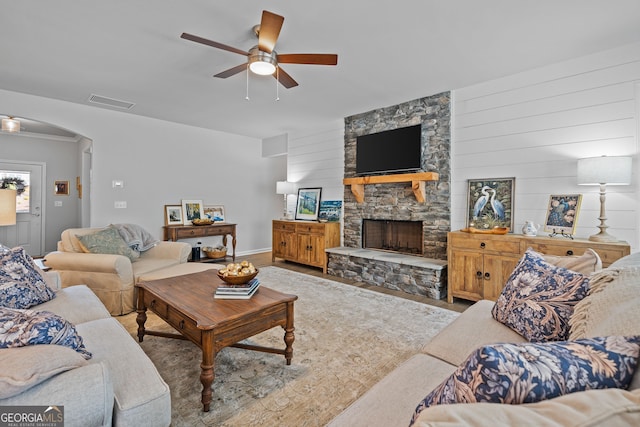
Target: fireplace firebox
(395, 236)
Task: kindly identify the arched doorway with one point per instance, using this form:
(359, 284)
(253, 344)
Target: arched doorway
(59, 197)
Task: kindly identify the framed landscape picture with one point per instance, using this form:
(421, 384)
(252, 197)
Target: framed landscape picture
(191, 209)
(330, 210)
(490, 203)
(562, 213)
(308, 204)
(214, 213)
(172, 215)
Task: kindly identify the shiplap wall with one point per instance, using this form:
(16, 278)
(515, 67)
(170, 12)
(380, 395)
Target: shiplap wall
(316, 159)
(535, 125)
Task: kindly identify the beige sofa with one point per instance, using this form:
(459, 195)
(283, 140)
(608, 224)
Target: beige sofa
(118, 386)
(613, 310)
(111, 277)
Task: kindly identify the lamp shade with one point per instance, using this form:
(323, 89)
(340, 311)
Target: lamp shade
(604, 170)
(286, 187)
(7, 207)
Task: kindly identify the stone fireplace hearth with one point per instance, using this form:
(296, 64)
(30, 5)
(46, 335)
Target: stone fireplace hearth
(422, 272)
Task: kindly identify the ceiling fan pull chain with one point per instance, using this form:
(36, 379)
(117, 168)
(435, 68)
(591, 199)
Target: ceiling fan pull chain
(247, 97)
(277, 83)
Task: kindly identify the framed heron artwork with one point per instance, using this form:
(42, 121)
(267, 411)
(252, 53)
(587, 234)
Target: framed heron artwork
(490, 203)
(562, 214)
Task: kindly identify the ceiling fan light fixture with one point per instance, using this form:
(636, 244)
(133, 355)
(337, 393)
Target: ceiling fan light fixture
(10, 124)
(262, 63)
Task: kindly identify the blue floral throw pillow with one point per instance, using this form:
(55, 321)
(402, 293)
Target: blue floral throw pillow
(532, 372)
(19, 328)
(538, 299)
(21, 284)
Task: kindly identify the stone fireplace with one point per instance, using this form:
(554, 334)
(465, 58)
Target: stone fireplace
(423, 271)
(394, 236)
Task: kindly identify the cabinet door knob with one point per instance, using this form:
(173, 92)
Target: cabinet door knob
(487, 276)
(482, 245)
(479, 274)
(569, 252)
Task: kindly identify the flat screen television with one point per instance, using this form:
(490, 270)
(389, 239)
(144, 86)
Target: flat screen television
(397, 150)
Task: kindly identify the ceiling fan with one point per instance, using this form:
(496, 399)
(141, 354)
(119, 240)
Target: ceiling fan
(263, 59)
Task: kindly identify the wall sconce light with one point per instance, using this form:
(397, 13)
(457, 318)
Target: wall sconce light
(286, 188)
(604, 171)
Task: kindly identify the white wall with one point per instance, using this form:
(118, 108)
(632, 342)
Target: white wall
(535, 125)
(316, 159)
(163, 162)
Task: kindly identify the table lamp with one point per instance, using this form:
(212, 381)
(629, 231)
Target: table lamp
(604, 171)
(7, 209)
(286, 188)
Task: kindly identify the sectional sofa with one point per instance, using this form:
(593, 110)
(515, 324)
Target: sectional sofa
(117, 386)
(609, 309)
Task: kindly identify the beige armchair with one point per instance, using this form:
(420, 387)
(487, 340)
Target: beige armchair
(111, 277)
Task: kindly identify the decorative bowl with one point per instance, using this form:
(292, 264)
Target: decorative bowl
(495, 230)
(237, 280)
(216, 253)
(202, 221)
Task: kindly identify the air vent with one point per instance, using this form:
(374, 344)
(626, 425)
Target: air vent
(110, 102)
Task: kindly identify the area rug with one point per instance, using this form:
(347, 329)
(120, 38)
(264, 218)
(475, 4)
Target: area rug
(346, 340)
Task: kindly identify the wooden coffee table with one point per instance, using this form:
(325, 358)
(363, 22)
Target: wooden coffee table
(186, 303)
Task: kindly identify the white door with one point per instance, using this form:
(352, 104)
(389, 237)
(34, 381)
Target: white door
(28, 231)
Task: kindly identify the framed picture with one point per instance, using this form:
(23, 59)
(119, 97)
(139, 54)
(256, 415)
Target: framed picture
(214, 213)
(191, 209)
(562, 213)
(490, 203)
(330, 210)
(172, 215)
(61, 188)
(308, 203)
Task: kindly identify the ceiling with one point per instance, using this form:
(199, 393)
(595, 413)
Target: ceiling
(389, 52)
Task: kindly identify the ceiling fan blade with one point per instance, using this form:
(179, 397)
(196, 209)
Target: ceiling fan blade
(232, 71)
(269, 31)
(208, 42)
(308, 58)
(285, 79)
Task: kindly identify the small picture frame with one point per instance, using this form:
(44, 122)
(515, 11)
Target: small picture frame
(191, 209)
(330, 210)
(173, 215)
(61, 188)
(214, 213)
(308, 204)
(562, 214)
(490, 203)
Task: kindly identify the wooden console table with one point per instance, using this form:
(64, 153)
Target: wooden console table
(176, 232)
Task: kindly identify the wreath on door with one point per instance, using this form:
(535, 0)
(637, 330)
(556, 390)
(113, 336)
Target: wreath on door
(13, 183)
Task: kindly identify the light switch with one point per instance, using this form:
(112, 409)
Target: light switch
(117, 183)
(57, 203)
(120, 205)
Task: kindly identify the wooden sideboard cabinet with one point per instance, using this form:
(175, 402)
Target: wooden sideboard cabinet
(177, 232)
(480, 264)
(304, 241)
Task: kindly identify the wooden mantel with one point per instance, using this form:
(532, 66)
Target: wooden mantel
(418, 181)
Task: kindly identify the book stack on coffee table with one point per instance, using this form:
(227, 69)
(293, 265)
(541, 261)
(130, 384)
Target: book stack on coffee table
(244, 291)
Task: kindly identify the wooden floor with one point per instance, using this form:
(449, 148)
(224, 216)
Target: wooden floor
(264, 259)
